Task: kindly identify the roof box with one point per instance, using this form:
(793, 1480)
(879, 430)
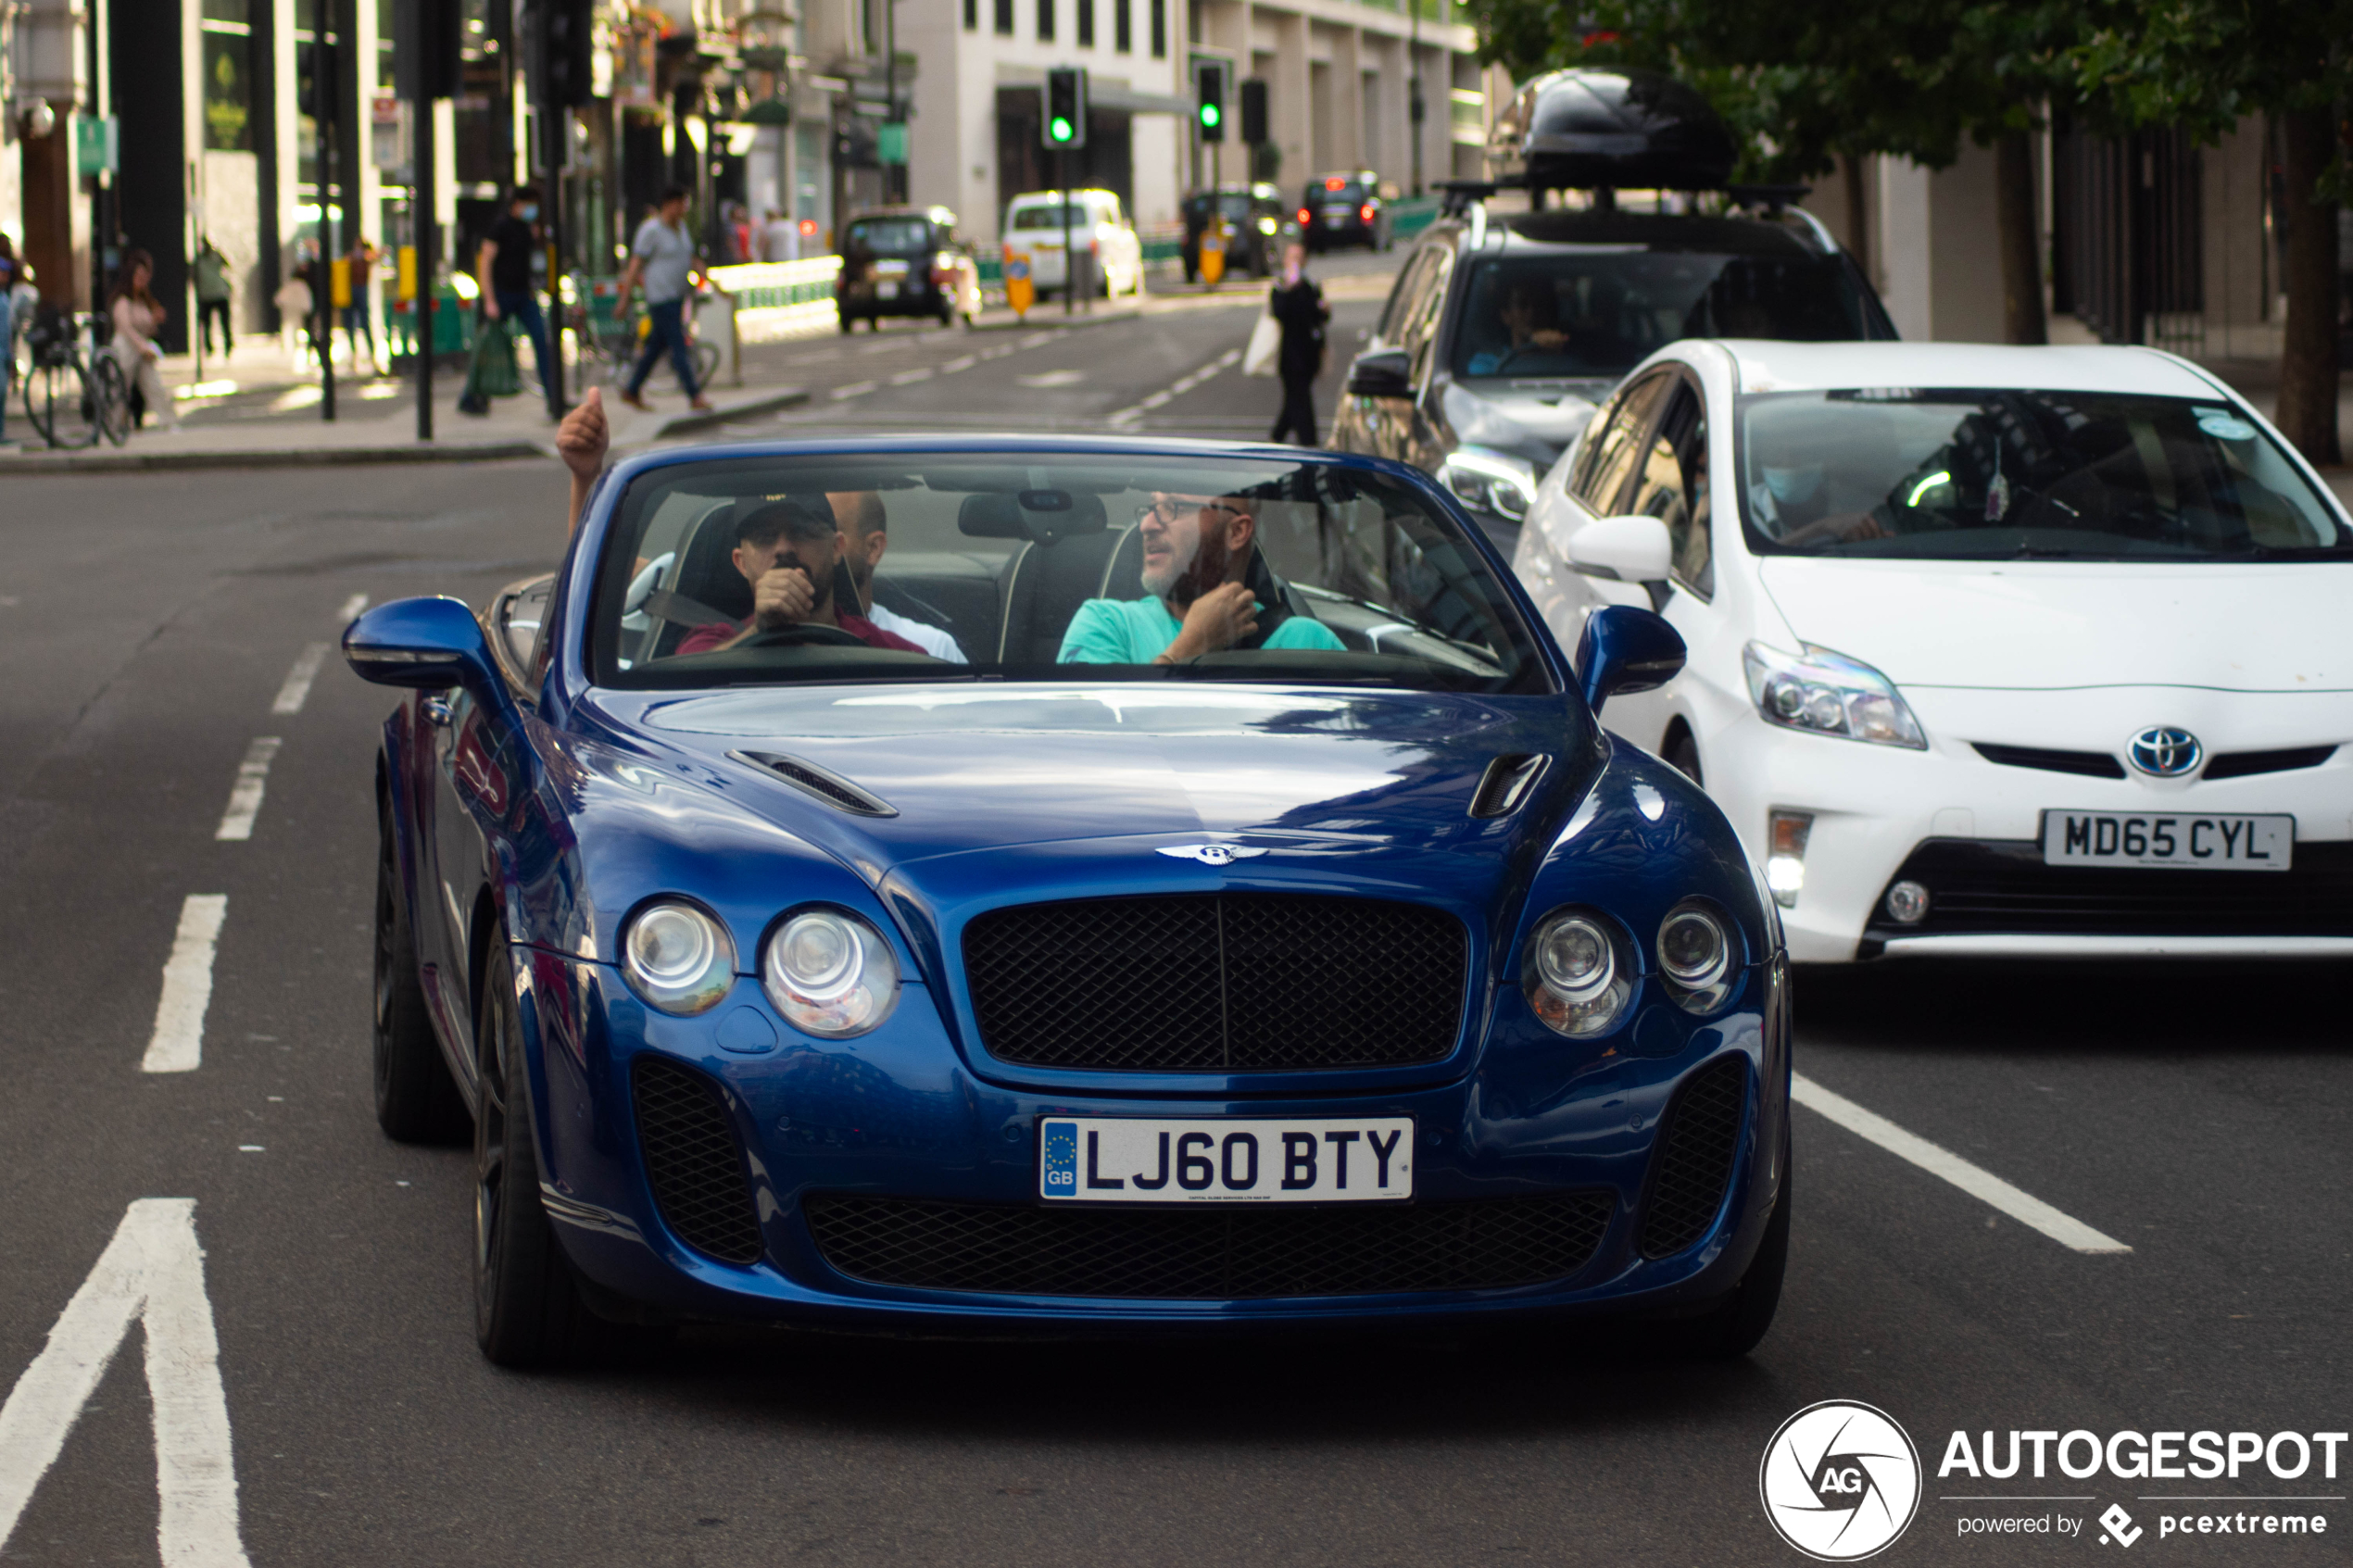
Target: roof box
(1620, 129)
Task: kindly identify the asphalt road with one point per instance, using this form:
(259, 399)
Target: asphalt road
(152, 622)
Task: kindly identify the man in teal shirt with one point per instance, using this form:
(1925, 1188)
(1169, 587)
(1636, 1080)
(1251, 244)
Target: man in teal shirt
(1197, 599)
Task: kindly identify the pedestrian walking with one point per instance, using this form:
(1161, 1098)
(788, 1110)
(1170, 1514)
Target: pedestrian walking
(212, 296)
(358, 322)
(1298, 306)
(137, 316)
(664, 259)
(503, 268)
(779, 238)
(11, 276)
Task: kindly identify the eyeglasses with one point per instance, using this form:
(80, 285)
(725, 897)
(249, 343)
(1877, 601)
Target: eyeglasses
(1169, 511)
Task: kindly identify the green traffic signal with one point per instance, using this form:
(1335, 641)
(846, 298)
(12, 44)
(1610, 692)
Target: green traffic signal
(1209, 113)
(1060, 129)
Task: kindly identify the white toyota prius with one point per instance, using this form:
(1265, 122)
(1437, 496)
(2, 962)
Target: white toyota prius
(1992, 650)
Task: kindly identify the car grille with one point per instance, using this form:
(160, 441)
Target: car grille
(2242, 764)
(693, 1163)
(1692, 1163)
(1217, 983)
(1209, 1254)
(1982, 885)
(2091, 764)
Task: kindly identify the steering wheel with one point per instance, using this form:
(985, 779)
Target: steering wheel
(797, 632)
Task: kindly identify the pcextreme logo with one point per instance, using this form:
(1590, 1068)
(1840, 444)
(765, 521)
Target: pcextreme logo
(1840, 1481)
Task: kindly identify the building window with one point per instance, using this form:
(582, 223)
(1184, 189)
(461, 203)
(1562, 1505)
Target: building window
(972, 15)
(1086, 23)
(1122, 25)
(1005, 18)
(1160, 29)
(1045, 22)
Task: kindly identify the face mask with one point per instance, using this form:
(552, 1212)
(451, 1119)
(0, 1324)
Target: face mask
(1794, 484)
(530, 212)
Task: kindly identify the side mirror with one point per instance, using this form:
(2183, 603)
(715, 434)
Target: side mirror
(425, 642)
(1387, 373)
(1631, 549)
(1625, 649)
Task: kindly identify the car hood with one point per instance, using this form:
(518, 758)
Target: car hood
(1537, 423)
(2052, 626)
(988, 780)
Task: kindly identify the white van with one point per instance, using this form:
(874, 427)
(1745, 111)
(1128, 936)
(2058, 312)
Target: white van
(1033, 233)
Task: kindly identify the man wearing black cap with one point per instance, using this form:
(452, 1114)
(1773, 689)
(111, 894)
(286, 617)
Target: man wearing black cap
(786, 550)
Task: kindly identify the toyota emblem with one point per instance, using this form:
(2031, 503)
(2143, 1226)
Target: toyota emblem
(2163, 751)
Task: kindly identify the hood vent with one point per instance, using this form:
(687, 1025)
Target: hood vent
(1509, 779)
(829, 787)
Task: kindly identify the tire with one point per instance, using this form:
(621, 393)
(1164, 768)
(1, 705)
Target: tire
(1732, 1328)
(110, 401)
(57, 399)
(849, 323)
(527, 1307)
(416, 1101)
(1683, 755)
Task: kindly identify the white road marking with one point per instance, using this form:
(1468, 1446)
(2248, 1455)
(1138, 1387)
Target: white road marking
(909, 378)
(296, 691)
(351, 609)
(153, 1270)
(245, 796)
(1979, 1184)
(1051, 378)
(1135, 412)
(966, 363)
(177, 1045)
(855, 389)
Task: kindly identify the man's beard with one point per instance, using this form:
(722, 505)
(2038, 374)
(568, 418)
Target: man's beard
(1190, 574)
(821, 584)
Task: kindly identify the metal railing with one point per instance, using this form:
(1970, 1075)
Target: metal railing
(2128, 237)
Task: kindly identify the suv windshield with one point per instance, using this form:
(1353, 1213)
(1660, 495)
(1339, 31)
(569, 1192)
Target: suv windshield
(1042, 566)
(2005, 474)
(892, 236)
(1598, 312)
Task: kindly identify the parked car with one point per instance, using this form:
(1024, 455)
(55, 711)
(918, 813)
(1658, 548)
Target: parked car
(1505, 330)
(1255, 217)
(1338, 971)
(1034, 231)
(1995, 651)
(1345, 208)
(906, 261)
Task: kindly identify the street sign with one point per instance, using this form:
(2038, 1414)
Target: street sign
(890, 141)
(97, 145)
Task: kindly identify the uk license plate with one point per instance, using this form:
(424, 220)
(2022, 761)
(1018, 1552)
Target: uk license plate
(1146, 1160)
(887, 289)
(2200, 841)
(1338, 214)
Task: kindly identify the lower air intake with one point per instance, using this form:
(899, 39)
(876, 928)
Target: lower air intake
(1692, 1163)
(693, 1163)
(1209, 1254)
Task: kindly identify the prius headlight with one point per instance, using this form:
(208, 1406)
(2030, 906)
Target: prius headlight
(1576, 973)
(678, 958)
(1493, 481)
(1829, 693)
(830, 973)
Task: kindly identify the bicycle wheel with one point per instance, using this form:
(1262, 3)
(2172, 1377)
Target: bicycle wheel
(57, 399)
(109, 401)
(706, 365)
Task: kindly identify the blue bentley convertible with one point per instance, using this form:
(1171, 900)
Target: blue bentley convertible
(1059, 884)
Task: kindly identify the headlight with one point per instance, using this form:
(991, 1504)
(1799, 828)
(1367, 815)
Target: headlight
(1829, 693)
(677, 958)
(1695, 955)
(830, 973)
(1491, 481)
(1575, 977)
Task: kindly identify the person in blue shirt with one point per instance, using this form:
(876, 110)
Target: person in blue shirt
(1198, 552)
(1529, 315)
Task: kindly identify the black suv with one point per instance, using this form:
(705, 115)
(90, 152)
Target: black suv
(1256, 215)
(1505, 331)
(1343, 210)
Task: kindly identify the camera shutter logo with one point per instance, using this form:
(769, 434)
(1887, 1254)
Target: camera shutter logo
(1840, 1481)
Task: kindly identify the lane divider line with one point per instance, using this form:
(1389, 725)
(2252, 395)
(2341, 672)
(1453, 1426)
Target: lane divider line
(909, 378)
(177, 1045)
(1979, 1183)
(296, 691)
(245, 796)
(351, 609)
(855, 389)
(151, 1271)
(1176, 389)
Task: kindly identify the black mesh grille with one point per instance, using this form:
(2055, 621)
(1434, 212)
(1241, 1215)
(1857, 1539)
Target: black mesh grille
(1235, 982)
(2242, 764)
(1987, 885)
(1209, 1254)
(2091, 764)
(1693, 1160)
(692, 1160)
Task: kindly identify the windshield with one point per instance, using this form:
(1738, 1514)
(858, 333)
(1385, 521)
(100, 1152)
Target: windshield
(1982, 475)
(892, 236)
(1599, 312)
(1336, 188)
(1040, 566)
(1049, 215)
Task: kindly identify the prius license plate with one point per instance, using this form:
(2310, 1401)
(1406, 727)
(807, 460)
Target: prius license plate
(2200, 841)
(1144, 1159)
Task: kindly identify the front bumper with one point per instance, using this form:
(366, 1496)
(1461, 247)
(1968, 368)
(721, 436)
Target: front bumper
(898, 1119)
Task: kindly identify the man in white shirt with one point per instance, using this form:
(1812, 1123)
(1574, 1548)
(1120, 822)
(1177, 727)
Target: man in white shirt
(863, 525)
(779, 238)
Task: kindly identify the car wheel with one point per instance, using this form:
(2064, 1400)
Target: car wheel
(1732, 1328)
(416, 1101)
(527, 1309)
(1683, 755)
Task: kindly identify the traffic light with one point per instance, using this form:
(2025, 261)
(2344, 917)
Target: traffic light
(1066, 108)
(1253, 111)
(1209, 79)
(565, 35)
(426, 38)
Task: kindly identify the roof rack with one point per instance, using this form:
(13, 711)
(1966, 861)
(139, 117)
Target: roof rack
(1772, 198)
(1460, 193)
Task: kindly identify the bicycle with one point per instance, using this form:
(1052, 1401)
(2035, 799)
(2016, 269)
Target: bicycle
(71, 401)
(613, 345)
